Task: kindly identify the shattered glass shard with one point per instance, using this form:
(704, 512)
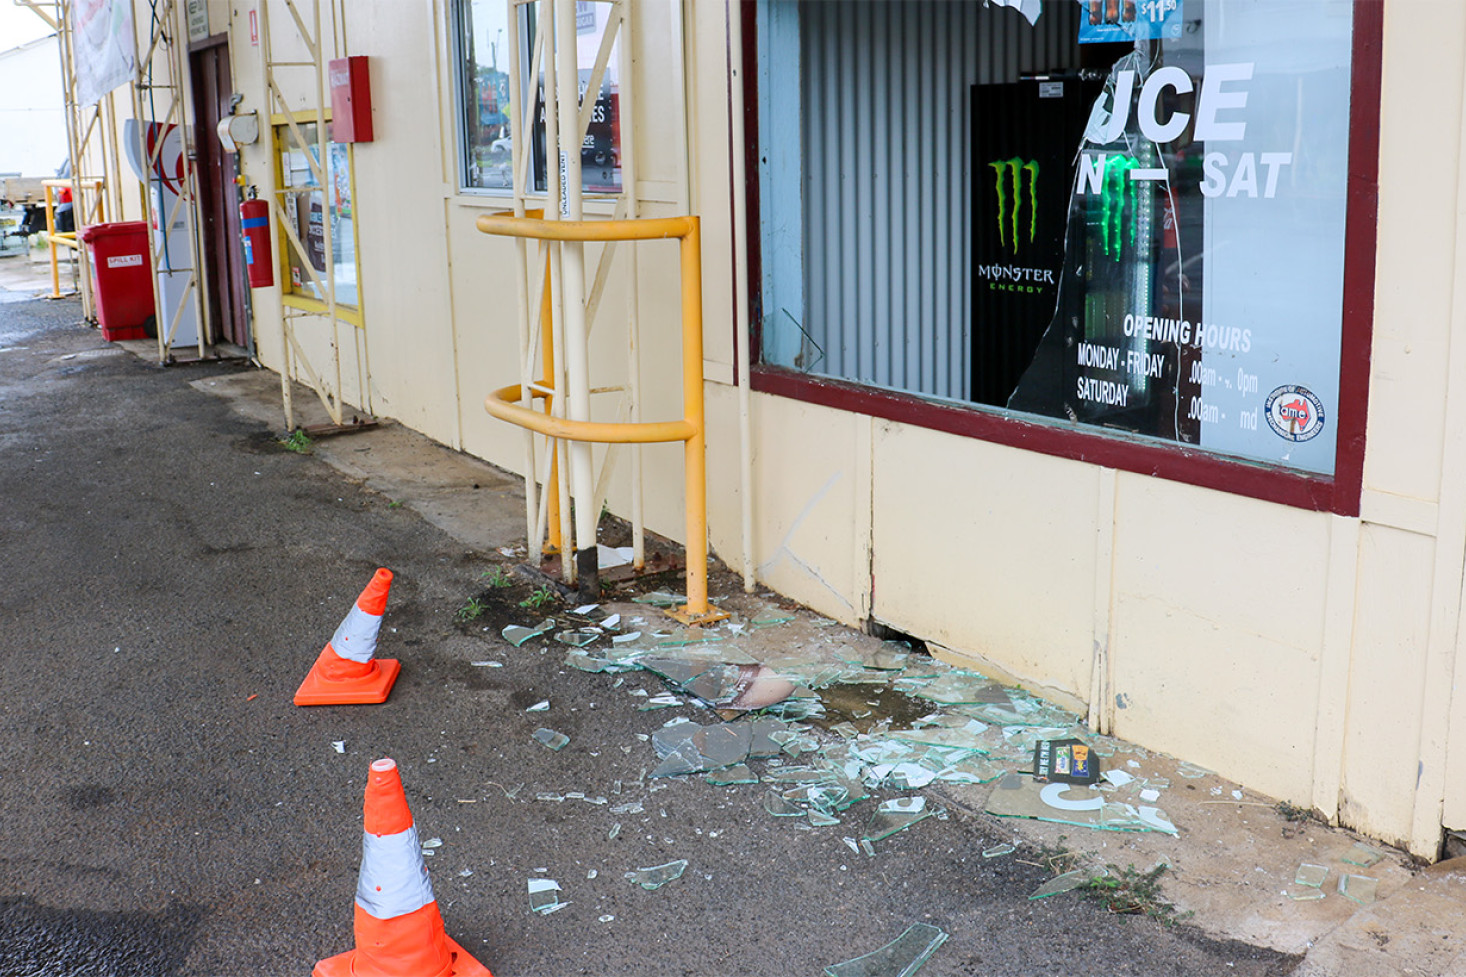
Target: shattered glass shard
(895, 815)
(552, 739)
(664, 700)
(1305, 894)
(577, 637)
(728, 776)
(779, 807)
(517, 636)
(902, 957)
(1358, 888)
(1067, 882)
(955, 688)
(972, 770)
(1362, 855)
(544, 896)
(542, 706)
(998, 850)
(724, 744)
(674, 737)
(1309, 874)
(820, 819)
(660, 598)
(658, 875)
(680, 763)
(796, 775)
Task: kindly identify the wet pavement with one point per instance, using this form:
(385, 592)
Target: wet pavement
(172, 572)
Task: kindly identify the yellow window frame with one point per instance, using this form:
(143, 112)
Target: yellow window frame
(354, 314)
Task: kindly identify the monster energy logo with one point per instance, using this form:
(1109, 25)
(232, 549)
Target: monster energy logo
(1114, 191)
(1008, 179)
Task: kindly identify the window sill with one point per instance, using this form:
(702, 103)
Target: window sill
(1173, 462)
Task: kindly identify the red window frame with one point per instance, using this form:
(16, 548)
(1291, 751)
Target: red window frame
(1338, 494)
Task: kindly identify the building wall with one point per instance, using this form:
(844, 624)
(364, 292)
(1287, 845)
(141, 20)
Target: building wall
(32, 114)
(1307, 655)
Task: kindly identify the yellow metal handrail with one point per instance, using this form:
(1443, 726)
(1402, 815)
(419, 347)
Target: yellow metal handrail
(68, 239)
(690, 430)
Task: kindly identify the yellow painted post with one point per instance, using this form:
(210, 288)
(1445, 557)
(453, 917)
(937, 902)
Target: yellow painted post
(505, 403)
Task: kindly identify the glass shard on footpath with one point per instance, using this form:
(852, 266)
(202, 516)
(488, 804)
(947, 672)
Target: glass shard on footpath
(739, 773)
(895, 815)
(516, 635)
(780, 807)
(658, 875)
(544, 896)
(1067, 882)
(549, 737)
(1359, 888)
(902, 957)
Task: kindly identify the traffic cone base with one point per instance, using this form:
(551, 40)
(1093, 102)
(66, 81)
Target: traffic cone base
(372, 688)
(343, 964)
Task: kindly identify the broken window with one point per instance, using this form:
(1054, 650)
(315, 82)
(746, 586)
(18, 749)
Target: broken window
(1126, 218)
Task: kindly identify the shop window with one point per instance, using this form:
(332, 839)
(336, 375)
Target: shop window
(482, 38)
(310, 213)
(1117, 219)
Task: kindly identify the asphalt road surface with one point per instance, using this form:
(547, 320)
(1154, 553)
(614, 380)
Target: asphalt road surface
(168, 575)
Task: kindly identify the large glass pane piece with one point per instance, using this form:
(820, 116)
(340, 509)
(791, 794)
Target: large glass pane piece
(902, 957)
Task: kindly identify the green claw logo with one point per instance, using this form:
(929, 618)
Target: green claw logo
(1008, 180)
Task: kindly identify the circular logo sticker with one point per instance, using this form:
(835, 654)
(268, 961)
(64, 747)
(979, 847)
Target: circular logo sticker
(1293, 412)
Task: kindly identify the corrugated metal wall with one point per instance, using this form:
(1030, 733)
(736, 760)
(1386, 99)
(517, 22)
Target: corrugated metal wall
(888, 176)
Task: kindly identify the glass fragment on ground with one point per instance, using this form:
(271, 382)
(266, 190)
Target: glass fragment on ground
(1363, 855)
(724, 744)
(1067, 882)
(902, 957)
(1309, 874)
(554, 740)
(680, 763)
(998, 851)
(544, 896)
(660, 598)
(820, 819)
(780, 807)
(541, 706)
(658, 875)
(955, 688)
(1305, 894)
(728, 776)
(895, 815)
(577, 637)
(517, 635)
(1358, 888)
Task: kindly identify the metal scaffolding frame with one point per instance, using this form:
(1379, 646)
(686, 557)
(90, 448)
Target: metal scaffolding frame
(311, 34)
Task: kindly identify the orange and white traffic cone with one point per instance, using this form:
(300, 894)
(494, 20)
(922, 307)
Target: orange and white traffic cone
(399, 931)
(347, 671)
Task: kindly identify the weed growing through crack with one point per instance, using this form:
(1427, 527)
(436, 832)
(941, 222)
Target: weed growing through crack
(496, 578)
(541, 598)
(470, 611)
(395, 504)
(1131, 892)
(298, 441)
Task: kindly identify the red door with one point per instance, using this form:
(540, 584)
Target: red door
(219, 193)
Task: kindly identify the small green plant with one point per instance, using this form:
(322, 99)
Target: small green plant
(542, 597)
(298, 441)
(470, 611)
(395, 504)
(496, 578)
(1131, 892)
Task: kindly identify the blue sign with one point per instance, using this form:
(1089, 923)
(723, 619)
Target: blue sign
(1108, 21)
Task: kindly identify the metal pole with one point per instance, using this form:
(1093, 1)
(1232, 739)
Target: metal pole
(740, 294)
(572, 284)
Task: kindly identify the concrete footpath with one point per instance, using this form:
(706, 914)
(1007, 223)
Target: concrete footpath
(170, 573)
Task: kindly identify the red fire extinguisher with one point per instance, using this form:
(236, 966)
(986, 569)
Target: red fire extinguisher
(254, 220)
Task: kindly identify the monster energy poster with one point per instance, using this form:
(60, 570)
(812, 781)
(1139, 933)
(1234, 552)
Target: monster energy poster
(1023, 139)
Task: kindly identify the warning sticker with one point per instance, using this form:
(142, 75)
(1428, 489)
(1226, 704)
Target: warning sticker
(124, 260)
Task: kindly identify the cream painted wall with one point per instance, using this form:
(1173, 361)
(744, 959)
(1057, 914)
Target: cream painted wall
(987, 549)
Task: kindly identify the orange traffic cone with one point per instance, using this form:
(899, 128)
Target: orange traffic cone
(399, 931)
(346, 672)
